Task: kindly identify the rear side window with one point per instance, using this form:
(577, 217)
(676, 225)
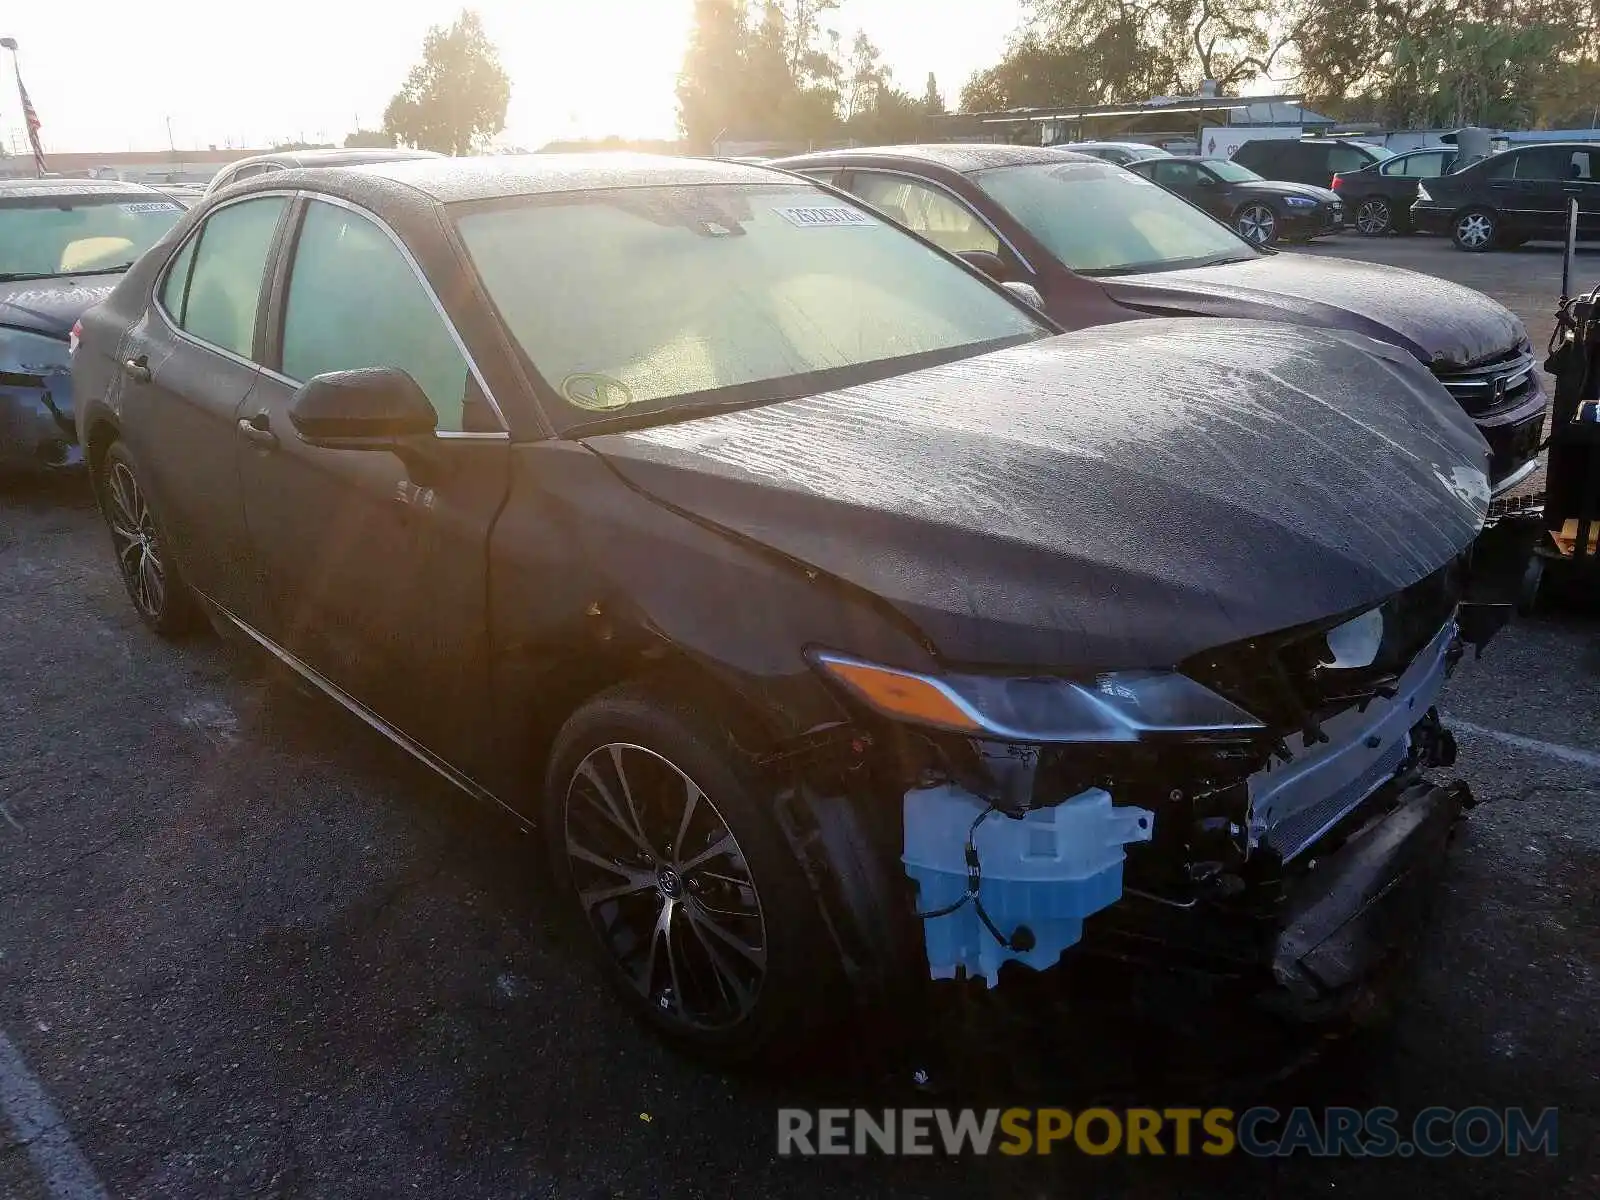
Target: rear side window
(355, 301)
(1346, 158)
(219, 305)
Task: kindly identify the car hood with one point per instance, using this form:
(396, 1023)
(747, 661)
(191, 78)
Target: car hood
(1441, 323)
(52, 306)
(1123, 496)
(1278, 187)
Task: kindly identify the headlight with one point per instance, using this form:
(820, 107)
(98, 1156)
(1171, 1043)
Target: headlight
(1423, 193)
(26, 353)
(1122, 706)
(1299, 202)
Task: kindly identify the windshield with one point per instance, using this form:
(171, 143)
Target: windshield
(1379, 152)
(1231, 172)
(715, 293)
(1102, 220)
(42, 236)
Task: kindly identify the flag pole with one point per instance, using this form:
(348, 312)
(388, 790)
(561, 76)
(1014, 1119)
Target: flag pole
(30, 119)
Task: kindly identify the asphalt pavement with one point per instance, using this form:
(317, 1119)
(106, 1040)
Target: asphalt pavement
(249, 949)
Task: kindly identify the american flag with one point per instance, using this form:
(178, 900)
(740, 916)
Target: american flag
(31, 120)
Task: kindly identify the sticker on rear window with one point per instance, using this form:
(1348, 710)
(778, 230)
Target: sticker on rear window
(817, 218)
(145, 206)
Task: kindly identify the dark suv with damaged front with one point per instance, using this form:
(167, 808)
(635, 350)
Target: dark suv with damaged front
(834, 619)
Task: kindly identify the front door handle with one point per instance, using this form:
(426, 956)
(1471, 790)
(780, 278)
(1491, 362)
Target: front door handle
(256, 431)
(137, 369)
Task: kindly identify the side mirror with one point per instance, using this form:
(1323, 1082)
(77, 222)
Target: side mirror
(1025, 292)
(987, 262)
(374, 408)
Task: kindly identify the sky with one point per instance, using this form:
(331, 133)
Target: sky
(106, 76)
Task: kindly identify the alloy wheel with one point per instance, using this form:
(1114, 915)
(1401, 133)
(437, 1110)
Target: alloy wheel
(1373, 217)
(664, 884)
(1474, 230)
(1257, 224)
(133, 536)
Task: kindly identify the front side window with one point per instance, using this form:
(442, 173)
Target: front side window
(1177, 174)
(1231, 172)
(1102, 220)
(44, 236)
(230, 261)
(355, 301)
(932, 213)
(653, 299)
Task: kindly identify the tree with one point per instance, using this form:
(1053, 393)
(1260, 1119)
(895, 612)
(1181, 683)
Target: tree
(375, 139)
(712, 84)
(868, 76)
(455, 98)
(932, 101)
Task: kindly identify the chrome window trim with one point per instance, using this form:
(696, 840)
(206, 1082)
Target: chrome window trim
(160, 285)
(962, 201)
(433, 298)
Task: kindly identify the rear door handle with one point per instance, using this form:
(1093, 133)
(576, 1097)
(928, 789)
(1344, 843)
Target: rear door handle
(137, 368)
(257, 432)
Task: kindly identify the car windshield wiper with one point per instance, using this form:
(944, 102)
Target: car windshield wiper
(13, 276)
(102, 270)
(668, 416)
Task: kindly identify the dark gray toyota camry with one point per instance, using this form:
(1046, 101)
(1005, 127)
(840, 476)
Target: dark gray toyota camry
(849, 634)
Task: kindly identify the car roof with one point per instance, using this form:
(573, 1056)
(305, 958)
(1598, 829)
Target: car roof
(73, 187)
(354, 156)
(491, 177)
(961, 157)
(1196, 158)
(1113, 145)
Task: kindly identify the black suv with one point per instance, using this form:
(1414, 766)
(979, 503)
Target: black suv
(1310, 160)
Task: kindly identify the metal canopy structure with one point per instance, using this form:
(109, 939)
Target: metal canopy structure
(1177, 116)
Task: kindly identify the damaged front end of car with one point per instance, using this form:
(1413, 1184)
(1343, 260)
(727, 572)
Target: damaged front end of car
(1263, 814)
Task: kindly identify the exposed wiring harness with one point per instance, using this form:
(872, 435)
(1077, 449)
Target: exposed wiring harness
(1022, 940)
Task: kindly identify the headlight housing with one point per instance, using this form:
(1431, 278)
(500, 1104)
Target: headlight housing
(1299, 202)
(1119, 706)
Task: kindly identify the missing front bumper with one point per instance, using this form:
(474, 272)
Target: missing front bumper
(1351, 915)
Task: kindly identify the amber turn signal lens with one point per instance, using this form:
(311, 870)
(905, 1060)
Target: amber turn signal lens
(899, 694)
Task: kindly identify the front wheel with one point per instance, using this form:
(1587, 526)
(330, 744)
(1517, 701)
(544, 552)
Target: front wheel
(665, 846)
(1374, 217)
(143, 550)
(1475, 230)
(1257, 224)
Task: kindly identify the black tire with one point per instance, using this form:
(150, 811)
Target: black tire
(1475, 230)
(1257, 223)
(729, 1012)
(142, 547)
(1374, 216)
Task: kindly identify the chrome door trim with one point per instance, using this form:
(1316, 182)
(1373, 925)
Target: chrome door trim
(353, 706)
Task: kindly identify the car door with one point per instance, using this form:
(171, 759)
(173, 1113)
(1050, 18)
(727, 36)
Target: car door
(188, 365)
(379, 578)
(1536, 194)
(1198, 187)
(1583, 184)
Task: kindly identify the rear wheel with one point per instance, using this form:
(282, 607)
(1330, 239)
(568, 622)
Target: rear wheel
(1374, 216)
(143, 550)
(1475, 230)
(665, 845)
(1257, 224)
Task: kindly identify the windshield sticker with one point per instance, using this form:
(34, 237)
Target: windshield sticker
(145, 206)
(821, 217)
(597, 393)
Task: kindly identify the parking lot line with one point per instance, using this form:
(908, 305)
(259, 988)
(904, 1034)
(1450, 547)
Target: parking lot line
(65, 1172)
(1569, 754)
